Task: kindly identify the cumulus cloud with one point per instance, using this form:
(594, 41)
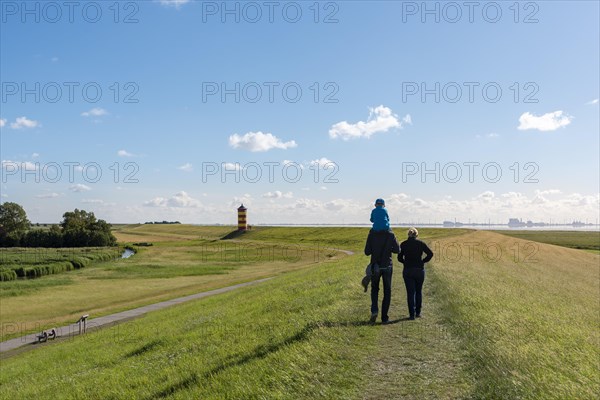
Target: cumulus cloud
(547, 122)
(246, 199)
(24, 123)
(79, 187)
(258, 142)
(16, 165)
(179, 200)
(322, 162)
(187, 167)
(125, 153)
(94, 112)
(381, 119)
(592, 102)
(278, 195)
(229, 166)
(2, 122)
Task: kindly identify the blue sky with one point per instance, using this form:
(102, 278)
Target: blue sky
(365, 127)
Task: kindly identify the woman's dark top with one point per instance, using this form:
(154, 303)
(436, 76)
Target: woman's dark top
(411, 253)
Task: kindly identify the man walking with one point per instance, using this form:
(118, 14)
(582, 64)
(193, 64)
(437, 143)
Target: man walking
(411, 255)
(380, 246)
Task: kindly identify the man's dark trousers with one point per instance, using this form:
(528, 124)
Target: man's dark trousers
(413, 279)
(386, 275)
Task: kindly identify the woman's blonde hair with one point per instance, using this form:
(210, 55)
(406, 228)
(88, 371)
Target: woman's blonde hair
(413, 232)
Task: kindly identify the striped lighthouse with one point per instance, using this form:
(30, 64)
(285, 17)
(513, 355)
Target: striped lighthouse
(242, 225)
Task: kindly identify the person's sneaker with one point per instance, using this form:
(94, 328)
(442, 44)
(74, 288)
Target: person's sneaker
(373, 318)
(386, 322)
(411, 318)
(418, 316)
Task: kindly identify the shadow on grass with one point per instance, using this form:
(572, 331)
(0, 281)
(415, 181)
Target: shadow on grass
(237, 360)
(258, 353)
(233, 235)
(186, 383)
(144, 349)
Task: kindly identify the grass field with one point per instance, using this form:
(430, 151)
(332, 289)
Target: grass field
(577, 240)
(183, 260)
(497, 324)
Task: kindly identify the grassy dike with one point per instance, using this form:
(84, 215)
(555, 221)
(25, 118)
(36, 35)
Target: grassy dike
(527, 320)
(295, 336)
(493, 327)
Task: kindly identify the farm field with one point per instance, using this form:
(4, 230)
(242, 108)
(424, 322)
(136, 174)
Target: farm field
(494, 326)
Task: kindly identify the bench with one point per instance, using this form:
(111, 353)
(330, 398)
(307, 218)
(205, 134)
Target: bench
(46, 335)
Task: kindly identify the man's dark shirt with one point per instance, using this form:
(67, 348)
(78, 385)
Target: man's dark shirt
(380, 246)
(411, 253)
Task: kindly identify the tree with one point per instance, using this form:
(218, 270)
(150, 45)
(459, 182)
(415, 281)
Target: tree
(13, 220)
(77, 220)
(81, 228)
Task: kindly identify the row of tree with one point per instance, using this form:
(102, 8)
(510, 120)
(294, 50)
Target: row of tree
(78, 228)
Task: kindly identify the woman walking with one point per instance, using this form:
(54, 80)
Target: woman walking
(411, 256)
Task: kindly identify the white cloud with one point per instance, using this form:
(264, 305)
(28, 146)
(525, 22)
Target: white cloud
(246, 199)
(2, 122)
(16, 165)
(549, 191)
(278, 195)
(381, 119)
(24, 122)
(592, 102)
(231, 166)
(187, 167)
(179, 200)
(35, 155)
(322, 162)
(547, 122)
(47, 196)
(173, 3)
(94, 112)
(258, 141)
(79, 187)
(124, 153)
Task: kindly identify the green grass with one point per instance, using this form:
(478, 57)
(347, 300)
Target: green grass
(530, 325)
(30, 263)
(505, 328)
(283, 339)
(574, 239)
(191, 259)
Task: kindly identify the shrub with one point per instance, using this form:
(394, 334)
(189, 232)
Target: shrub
(7, 274)
(80, 262)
